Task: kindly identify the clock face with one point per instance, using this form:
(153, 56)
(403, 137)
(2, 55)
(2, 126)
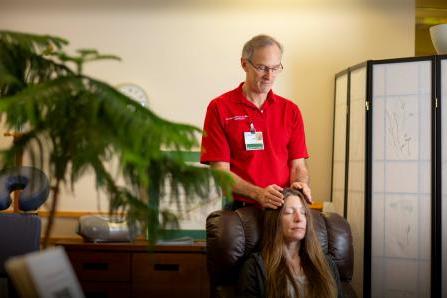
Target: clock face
(135, 92)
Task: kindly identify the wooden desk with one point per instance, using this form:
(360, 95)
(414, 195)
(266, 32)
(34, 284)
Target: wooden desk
(129, 270)
(317, 206)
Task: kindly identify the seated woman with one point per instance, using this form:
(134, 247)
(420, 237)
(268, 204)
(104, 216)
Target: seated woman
(291, 262)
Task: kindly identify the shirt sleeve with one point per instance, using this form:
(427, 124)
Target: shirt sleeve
(215, 145)
(297, 144)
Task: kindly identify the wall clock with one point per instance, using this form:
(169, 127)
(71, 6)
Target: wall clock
(135, 92)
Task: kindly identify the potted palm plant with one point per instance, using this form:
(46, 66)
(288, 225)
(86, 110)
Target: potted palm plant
(71, 123)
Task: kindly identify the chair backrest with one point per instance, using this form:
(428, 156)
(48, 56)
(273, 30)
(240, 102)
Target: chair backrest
(19, 234)
(233, 235)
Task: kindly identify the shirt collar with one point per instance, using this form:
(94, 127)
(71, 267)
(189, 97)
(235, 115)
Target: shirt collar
(271, 97)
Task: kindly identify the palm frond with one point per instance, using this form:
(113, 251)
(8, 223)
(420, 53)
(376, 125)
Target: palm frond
(74, 123)
(35, 43)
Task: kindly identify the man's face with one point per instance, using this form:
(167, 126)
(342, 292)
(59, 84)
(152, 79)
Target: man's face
(261, 81)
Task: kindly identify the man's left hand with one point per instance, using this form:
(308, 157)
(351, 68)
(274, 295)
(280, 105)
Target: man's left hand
(304, 188)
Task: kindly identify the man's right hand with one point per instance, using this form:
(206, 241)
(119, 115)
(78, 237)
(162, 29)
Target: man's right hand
(270, 196)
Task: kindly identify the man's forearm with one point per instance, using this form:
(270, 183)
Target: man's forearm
(245, 188)
(268, 197)
(240, 185)
(299, 175)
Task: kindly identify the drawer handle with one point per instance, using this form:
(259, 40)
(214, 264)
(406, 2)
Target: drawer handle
(96, 294)
(166, 267)
(95, 266)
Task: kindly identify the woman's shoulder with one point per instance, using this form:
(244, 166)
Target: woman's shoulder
(253, 261)
(256, 256)
(335, 274)
(331, 264)
(252, 277)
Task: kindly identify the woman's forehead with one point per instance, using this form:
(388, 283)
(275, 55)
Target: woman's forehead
(293, 201)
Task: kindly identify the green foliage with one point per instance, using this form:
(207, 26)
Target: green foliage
(72, 123)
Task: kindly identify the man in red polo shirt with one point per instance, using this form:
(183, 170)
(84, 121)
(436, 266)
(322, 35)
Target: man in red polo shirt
(256, 135)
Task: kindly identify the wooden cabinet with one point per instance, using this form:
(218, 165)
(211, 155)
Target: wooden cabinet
(136, 270)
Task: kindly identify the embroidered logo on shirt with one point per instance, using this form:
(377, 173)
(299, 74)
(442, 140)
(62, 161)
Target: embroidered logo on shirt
(237, 118)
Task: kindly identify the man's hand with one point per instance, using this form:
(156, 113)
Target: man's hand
(270, 197)
(305, 188)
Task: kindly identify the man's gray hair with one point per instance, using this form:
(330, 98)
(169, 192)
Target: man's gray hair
(259, 41)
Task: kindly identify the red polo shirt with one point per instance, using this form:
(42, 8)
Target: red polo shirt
(229, 116)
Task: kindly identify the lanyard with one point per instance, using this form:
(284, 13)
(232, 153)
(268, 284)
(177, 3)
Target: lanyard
(252, 127)
(250, 121)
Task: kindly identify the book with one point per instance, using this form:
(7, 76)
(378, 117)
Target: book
(45, 274)
(177, 241)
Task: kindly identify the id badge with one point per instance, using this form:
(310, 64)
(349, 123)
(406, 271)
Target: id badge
(253, 141)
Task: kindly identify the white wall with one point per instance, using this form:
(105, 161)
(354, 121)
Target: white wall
(187, 52)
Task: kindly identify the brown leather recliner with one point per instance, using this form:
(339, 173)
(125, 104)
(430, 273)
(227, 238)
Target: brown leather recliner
(233, 235)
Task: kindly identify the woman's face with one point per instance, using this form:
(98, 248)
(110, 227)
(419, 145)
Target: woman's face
(293, 219)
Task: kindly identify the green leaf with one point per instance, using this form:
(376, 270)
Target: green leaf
(72, 124)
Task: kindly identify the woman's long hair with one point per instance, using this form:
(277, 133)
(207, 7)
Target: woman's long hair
(320, 282)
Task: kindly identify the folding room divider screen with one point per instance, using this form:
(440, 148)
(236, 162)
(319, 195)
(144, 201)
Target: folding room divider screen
(442, 210)
(386, 174)
(339, 143)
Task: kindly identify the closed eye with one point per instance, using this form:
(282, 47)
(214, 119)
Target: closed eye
(289, 210)
(292, 210)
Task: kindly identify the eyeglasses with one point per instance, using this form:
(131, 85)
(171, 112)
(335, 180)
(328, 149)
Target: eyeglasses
(264, 68)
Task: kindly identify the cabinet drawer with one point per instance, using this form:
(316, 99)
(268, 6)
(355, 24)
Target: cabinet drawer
(100, 266)
(105, 289)
(160, 273)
